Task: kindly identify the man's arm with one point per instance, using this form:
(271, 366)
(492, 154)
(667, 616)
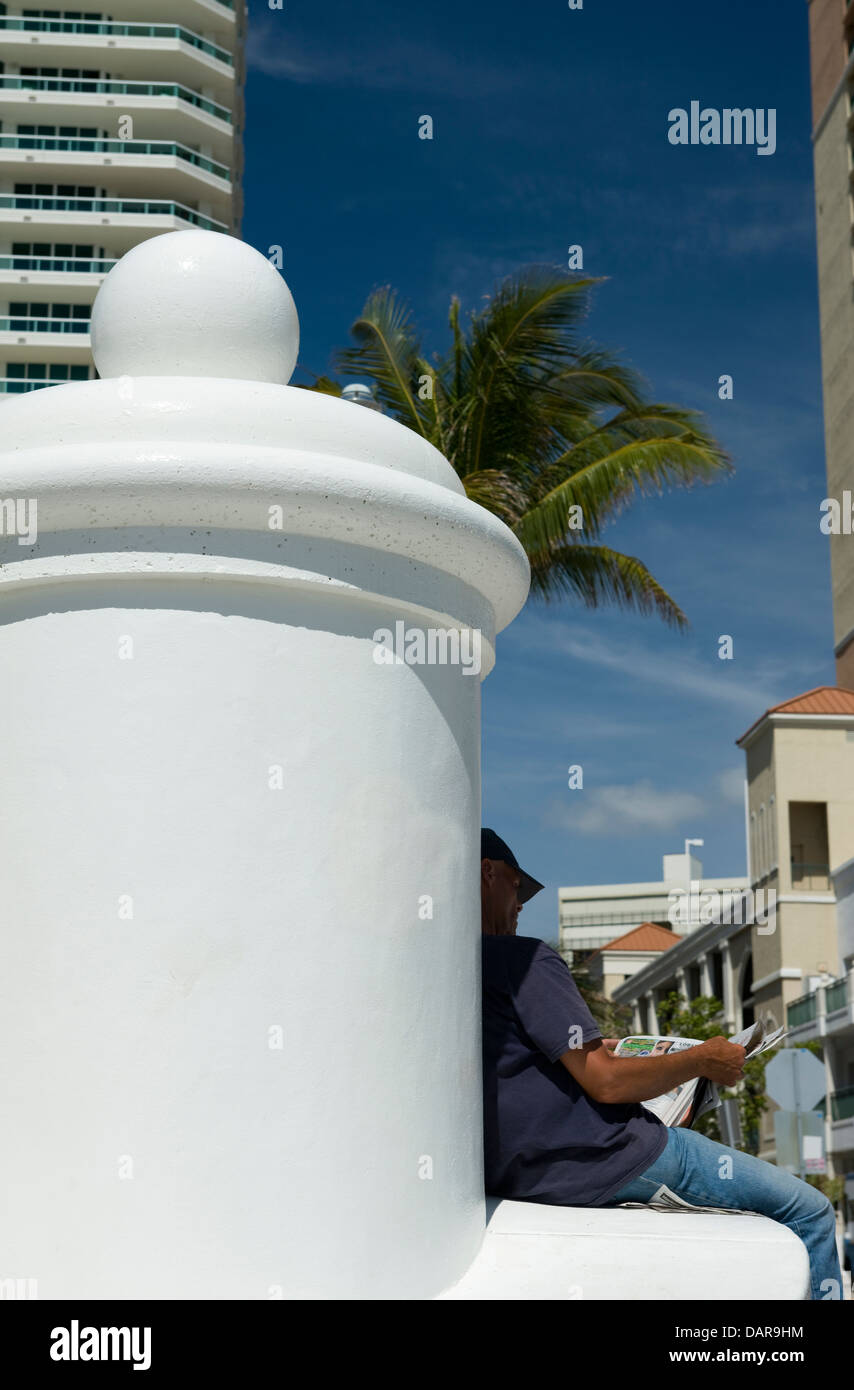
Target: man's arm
(619, 1080)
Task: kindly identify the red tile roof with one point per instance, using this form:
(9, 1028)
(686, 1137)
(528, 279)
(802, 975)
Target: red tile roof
(823, 699)
(647, 937)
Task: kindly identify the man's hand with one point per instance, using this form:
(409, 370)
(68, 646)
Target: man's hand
(620, 1080)
(722, 1061)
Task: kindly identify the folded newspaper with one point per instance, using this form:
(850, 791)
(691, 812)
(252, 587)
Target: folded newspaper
(700, 1093)
(665, 1200)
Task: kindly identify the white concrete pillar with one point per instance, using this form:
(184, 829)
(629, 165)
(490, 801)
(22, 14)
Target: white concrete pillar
(240, 968)
(651, 1011)
(705, 975)
(729, 991)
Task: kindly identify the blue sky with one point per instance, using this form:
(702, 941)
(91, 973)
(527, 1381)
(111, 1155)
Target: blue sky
(550, 129)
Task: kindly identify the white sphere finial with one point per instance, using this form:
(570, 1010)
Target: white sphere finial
(195, 304)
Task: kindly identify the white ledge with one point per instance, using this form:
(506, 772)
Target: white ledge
(534, 1251)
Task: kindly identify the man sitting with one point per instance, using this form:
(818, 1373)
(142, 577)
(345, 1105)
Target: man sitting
(563, 1123)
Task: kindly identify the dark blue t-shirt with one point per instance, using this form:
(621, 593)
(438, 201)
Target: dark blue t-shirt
(545, 1139)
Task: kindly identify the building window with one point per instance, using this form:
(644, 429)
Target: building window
(61, 190)
(754, 848)
(808, 846)
(37, 133)
(32, 376)
(71, 73)
(60, 14)
(42, 371)
(29, 311)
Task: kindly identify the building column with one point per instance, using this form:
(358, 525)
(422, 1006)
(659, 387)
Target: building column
(729, 986)
(651, 1011)
(705, 975)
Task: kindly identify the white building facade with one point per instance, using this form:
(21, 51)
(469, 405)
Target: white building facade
(114, 127)
(591, 915)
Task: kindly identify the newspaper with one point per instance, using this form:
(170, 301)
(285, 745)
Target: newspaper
(699, 1095)
(665, 1200)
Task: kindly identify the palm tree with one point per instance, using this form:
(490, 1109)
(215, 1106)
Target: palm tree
(551, 434)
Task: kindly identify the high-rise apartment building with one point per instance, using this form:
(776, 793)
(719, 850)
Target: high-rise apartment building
(114, 127)
(831, 24)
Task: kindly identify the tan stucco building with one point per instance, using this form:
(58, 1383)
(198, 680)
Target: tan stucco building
(800, 805)
(786, 959)
(617, 961)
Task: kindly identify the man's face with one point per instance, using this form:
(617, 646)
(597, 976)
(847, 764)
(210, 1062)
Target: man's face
(501, 906)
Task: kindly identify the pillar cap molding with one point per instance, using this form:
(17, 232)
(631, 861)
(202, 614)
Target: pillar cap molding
(193, 426)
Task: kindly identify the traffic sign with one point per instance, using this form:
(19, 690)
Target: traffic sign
(813, 1151)
(799, 1141)
(795, 1079)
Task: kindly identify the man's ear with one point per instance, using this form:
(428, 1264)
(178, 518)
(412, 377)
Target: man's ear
(487, 870)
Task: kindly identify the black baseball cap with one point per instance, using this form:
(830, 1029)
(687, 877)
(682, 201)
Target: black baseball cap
(493, 847)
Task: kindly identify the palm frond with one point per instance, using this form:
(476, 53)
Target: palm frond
(388, 351)
(324, 384)
(608, 480)
(596, 575)
(518, 342)
(498, 492)
(535, 422)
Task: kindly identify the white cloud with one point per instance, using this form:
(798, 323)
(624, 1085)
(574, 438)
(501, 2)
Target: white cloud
(630, 808)
(389, 65)
(712, 682)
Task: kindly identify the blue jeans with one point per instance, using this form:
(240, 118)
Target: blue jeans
(691, 1166)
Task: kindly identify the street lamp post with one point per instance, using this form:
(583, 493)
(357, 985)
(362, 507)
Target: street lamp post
(688, 844)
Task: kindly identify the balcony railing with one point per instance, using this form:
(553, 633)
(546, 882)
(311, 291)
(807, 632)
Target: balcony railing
(811, 878)
(801, 1010)
(80, 144)
(43, 325)
(37, 202)
(842, 1104)
(129, 31)
(107, 86)
(66, 265)
(836, 995)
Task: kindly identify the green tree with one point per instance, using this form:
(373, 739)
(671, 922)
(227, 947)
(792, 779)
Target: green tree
(612, 1020)
(547, 431)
